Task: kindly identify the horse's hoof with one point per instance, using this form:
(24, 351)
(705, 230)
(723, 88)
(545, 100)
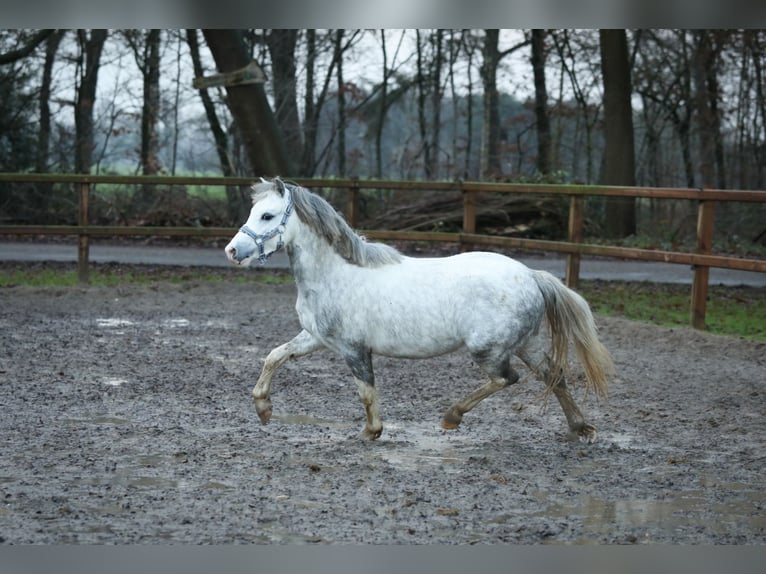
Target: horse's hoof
(368, 434)
(263, 408)
(585, 433)
(451, 420)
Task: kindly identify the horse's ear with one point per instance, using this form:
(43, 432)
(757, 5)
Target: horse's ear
(280, 185)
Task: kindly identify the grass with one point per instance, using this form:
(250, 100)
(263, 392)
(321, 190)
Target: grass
(737, 311)
(110, 275)
(210, 192)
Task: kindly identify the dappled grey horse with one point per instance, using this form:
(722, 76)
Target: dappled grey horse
(359, 299)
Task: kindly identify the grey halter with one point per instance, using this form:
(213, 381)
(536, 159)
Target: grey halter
(260, 239)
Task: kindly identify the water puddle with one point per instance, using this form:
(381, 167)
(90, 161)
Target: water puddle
(114, 382)
(687, 511)
(175, 323)
(169, 323)
(299, 419)
(152, 482)
(415, 445)
(113, 322)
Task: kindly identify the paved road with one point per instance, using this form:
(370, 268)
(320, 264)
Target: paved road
(609, 269)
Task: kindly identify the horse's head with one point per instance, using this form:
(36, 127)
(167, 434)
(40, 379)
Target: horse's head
(263, 232)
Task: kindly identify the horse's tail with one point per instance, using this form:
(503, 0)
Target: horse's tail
(570, 320)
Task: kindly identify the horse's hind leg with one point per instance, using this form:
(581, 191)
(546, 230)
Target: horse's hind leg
(497, 366)
(539, 362)
(360, 362)
(302, 344)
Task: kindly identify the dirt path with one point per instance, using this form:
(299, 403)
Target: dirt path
(126, 418)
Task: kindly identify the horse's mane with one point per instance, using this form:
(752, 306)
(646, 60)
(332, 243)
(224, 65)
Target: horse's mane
(322, 218)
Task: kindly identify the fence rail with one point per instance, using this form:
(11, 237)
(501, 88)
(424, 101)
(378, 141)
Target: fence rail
(701, 260)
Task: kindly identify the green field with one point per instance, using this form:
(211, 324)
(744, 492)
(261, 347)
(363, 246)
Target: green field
(739, 311)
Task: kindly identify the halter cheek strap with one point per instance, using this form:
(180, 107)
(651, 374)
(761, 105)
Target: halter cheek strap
(261, 239)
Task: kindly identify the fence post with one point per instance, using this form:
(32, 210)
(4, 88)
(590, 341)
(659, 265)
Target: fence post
(705, 213)
(575, 235)
(469, 214)
(352, 209)
(83, 246)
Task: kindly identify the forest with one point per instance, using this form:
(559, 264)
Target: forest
(646, 107)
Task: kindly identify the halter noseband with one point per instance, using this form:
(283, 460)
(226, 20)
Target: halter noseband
(260, 239)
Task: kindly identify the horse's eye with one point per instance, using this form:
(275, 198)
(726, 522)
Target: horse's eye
(267, 217)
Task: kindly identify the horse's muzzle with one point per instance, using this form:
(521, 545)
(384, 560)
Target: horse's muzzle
(239, 249)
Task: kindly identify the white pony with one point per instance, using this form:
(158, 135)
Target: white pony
(358, 298)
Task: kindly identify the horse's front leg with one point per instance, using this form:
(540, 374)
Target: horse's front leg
(303, 344)
(360, 362)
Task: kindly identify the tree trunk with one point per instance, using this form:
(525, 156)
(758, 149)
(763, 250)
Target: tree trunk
(341, 149)
(150, 163)
(541, 102)
(26, 49)
(91, 48)
(310, 114)
(382, 109)
(219, 135)
(236, 200)
(425, 141)
(619, 159)
(249, 107)
(760, 104)
(490, 134)
(281, 44)
(436, 103)
(148, 60)
(44, 134)
(467, 168)
(41, 197)
(703, 61)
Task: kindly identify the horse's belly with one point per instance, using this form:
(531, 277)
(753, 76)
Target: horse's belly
(413, 345)
(413, 333)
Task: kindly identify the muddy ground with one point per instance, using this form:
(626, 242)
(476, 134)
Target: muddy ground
(126, 418)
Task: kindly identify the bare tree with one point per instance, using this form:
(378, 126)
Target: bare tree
(27, 48)
(437, 62)
(541, 102)
(754, 44)
(421, 82)
(146, 51)
(90, 45)
(491, 126)
(469, 47)
(282, 44)
(310, 109)
(619, 158)
(382, 109)
(707, 47)
(219, 134)
(314, 102)
(577, 54)
(236, 201)
(341, 95)
(249, 106)
(44, 133)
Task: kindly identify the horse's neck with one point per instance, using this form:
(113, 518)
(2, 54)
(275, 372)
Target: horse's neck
(312, 260)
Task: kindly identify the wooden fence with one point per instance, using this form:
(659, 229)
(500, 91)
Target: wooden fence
(701, 260)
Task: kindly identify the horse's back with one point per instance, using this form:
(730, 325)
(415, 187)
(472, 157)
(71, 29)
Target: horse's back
(476, 266)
